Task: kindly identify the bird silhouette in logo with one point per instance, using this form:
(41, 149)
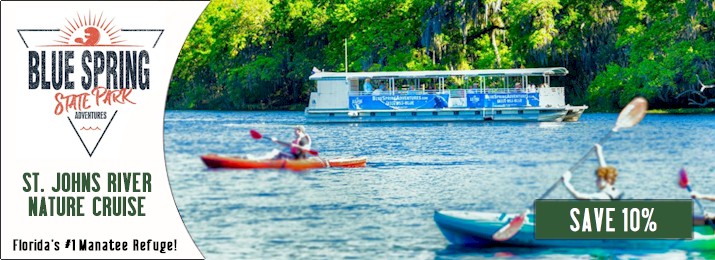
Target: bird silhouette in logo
(91, 37)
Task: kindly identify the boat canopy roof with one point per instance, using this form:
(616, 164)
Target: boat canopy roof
(555, 71)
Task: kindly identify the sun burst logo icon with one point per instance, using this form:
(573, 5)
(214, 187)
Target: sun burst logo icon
(90, 31)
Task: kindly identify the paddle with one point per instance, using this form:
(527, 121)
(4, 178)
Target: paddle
(685, 185)
(631, 115)
(256, 135)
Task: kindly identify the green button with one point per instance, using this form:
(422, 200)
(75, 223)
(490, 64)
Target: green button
(622, 219)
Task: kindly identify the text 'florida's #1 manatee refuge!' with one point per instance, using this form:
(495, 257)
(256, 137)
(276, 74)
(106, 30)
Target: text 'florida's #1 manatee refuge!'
(499, 94)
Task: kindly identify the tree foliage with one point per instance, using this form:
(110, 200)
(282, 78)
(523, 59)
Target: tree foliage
(259, 54)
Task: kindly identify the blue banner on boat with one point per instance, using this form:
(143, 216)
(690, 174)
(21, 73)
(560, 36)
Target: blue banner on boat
(399, 101)
(479, 100)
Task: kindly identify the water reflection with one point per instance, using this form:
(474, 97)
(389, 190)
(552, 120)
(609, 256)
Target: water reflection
(551, 124)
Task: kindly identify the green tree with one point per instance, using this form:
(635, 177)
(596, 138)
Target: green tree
(259, 54)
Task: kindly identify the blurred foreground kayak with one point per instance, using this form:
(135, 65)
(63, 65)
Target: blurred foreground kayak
(469, 228)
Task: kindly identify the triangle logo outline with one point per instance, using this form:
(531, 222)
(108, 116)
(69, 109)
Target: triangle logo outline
(100, 138)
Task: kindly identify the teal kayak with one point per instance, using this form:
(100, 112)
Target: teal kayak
(468, 228)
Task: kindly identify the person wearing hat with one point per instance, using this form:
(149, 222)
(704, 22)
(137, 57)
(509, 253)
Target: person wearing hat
(605, 181)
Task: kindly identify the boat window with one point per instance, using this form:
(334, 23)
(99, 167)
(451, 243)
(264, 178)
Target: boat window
(354, 85)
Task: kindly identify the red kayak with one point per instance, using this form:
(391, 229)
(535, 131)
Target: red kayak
(217, 161)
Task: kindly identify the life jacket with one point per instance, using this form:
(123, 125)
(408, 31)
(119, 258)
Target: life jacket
(297, 141)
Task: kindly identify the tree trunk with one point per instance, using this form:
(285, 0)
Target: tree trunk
(496, 48)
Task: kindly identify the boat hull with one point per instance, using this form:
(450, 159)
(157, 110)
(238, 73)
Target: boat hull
(535, 114)
(476, 229)
(217, 161)
(574, 113)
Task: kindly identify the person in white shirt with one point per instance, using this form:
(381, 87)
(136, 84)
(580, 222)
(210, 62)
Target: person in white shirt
(605, 181)
(696, 195)
(707, 216)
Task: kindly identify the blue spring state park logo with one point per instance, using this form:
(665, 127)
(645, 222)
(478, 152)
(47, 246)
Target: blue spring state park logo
(94, 66)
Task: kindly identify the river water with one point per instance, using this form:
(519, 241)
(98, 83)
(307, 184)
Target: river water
(385, 210)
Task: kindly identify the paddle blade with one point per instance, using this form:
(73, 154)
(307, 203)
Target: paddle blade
(683, 179)
(255, 134)
(508, 231)
(632, 114)
(313, 152)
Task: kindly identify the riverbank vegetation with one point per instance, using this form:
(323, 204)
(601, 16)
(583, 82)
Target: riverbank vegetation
(259, 54)
(688, 111)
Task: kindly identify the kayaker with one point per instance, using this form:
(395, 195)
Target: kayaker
(606, 179)
(696, 195)
(707, 215)
(299, 146)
